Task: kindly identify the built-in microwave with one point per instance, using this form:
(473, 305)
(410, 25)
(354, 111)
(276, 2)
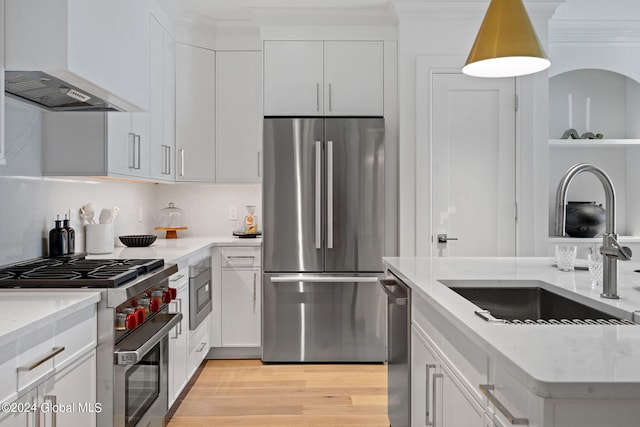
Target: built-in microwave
(200, 304)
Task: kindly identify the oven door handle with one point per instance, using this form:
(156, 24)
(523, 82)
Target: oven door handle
(133, 356)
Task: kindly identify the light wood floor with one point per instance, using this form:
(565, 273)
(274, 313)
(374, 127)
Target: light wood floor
(247, 393)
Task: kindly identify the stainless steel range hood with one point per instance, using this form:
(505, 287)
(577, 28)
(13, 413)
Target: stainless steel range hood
(51, 93)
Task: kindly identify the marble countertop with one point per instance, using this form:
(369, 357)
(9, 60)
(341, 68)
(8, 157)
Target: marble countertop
(552, 361)
(177, 250)
(23, 311)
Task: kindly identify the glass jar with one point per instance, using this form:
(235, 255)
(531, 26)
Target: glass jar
(250, 221)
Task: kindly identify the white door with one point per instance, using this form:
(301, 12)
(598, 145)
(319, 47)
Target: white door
(473, 166)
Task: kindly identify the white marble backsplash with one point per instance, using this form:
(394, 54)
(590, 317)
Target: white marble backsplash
(30, 202)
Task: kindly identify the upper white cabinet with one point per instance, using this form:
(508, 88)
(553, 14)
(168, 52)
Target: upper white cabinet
(353, 78)
(238, 116)
(293, 78)
(162, 120)
(78, 42)
(306, 78)
(96, 144)
(195, 113)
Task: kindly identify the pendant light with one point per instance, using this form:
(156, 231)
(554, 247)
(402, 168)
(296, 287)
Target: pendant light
(506, 44)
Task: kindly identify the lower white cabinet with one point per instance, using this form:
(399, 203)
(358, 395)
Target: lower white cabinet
(237, 285)
(198, 346)
(241, 314)
(437, 396)
(68, 398)
(178, 342)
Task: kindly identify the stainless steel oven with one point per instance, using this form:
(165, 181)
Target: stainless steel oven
(199, 292)
(140, 373)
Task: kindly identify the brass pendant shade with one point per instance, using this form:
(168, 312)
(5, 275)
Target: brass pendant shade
(506, 44)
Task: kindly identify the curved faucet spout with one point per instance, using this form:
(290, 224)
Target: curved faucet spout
(611, 250)
(563, 187)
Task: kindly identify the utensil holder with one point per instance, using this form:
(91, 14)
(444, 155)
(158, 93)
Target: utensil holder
(99, 238)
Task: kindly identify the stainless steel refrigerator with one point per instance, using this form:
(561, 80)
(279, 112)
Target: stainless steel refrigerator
(323, 240)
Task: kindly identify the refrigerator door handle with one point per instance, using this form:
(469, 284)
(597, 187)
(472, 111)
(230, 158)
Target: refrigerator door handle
(329, 194)
(325, 279)
(318, 194)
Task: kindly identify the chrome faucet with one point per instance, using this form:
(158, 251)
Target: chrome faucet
(611, 249)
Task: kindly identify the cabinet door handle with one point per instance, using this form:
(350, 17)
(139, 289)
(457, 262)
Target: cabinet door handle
(182, 162)
(329, 97)
(433, 397)
(54, 352)
(132, 151)
(168, 160)
(259, 164)
(52, 402)
(487, 390)
(137, 145)
(317, 96)
(255, 279)
(202, 345)
(427, 416)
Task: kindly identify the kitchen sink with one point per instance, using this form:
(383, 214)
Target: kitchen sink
(531, 305)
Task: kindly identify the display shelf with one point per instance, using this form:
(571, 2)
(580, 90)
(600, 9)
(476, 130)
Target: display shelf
(593, 143)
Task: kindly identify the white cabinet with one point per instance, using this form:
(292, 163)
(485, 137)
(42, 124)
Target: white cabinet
(198, 346)
(195, 113)
(162, 103)
(178, 345)
(96, 144)
(303, 78)
(236, 330)
(438, 398)
(238, 116)
(72, 390)
(293, 78)
(241, 307)
(52, 364)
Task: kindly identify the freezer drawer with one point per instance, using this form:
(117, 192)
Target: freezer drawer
(323, 318)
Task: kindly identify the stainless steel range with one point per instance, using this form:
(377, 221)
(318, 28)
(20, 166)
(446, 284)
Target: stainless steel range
(133, 327)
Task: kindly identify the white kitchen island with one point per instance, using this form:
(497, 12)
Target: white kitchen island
(546, 375)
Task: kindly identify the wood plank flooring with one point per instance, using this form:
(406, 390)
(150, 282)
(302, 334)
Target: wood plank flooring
(248, 393)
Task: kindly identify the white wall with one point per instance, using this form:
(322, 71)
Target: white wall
(206, 206)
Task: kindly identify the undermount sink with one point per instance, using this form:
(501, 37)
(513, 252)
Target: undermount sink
(531, 305)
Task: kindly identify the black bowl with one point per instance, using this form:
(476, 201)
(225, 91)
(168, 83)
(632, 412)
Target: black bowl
(138, 240)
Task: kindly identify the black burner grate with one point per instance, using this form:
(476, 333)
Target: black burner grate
(76, 272)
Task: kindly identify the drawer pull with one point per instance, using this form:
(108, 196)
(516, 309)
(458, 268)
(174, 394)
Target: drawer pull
(175, 279)
(54, 352)
(487, 389)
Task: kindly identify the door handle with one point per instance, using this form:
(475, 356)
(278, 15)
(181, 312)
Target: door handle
(318, 194)
(329, 194)
(443, 238)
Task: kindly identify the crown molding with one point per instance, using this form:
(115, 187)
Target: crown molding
(463, 9)
(592, 31)
(323, 15)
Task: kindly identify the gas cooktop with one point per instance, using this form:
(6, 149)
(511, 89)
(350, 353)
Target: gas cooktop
(75, 272)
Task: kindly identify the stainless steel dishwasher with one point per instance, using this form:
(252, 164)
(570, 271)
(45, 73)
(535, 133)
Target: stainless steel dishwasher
(398, 350)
